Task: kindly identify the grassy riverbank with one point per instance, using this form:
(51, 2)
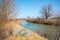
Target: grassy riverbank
(49, 21)
(15, 31)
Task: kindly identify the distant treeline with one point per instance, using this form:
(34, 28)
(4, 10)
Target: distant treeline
(49, 21)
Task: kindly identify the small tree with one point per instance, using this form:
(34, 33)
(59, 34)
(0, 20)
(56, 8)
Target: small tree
(46, 11)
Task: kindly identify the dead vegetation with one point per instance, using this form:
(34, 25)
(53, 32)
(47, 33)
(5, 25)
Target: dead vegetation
(8, 24)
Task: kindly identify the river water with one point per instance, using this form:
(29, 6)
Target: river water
(48, 31)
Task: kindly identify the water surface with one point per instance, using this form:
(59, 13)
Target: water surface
(49, 31)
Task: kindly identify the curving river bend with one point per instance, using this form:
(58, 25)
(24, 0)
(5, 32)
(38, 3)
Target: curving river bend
(48, 31)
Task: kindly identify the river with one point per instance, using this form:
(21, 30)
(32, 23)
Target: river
(48, 31)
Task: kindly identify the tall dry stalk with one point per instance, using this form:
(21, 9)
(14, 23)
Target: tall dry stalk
(7, 11)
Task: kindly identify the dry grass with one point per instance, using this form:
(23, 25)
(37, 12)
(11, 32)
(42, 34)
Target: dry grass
(12, 24)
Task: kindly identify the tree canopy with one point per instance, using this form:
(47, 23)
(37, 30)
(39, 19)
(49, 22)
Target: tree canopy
(47, 11)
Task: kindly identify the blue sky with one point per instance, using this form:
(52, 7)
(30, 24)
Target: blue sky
(32, 7)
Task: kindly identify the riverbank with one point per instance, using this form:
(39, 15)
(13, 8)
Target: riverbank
(15, 31)
(49, 21)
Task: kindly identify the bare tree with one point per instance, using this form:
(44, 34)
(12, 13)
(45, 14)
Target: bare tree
(46, 11)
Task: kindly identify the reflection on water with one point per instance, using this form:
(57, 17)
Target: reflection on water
(48, 31)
